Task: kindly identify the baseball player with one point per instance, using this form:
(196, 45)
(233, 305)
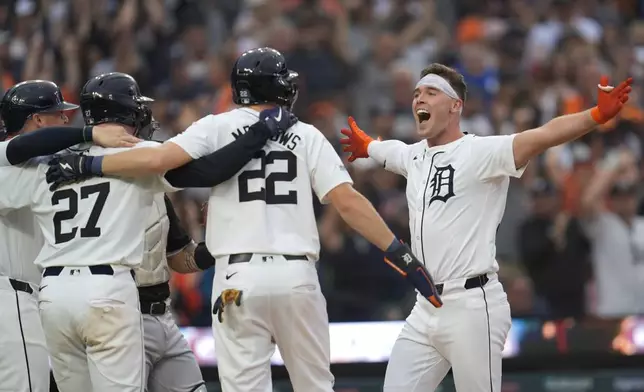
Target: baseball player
(456, 191)
(25, 107)
(94, 237)
(262, 232)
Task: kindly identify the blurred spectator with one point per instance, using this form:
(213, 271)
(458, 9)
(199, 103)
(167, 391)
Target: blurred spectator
(555, 252)
(610, 205)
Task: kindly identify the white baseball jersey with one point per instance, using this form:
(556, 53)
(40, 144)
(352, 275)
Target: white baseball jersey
(154, 267)
(21, 241)
(456, 196)
(97, 221)
(3, 154)
(268, 206)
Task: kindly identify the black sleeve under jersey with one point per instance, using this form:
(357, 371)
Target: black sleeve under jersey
(178, 238)
(213, 169)
(46, 141)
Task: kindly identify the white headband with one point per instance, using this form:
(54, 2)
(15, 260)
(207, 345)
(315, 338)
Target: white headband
(440, 84)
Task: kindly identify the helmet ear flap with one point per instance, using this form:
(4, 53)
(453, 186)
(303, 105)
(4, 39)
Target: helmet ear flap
(241, 93)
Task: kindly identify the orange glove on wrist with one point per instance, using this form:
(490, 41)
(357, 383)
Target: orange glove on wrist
(356, 142)
(610, 99)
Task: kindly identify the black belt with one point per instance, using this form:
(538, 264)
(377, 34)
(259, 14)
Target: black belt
(246, 257)
(153, 308)
(471, 283)
(21, 286)
(101, 269)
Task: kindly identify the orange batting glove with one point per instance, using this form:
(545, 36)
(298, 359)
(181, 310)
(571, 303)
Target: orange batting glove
(356, 141)
(610, 100)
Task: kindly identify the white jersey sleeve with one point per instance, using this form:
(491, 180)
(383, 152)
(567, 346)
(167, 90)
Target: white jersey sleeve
(3, 154)
(199, 139)
(392, 154)
(157, 184)
(19, 184)
(325, 167)
(494, 157)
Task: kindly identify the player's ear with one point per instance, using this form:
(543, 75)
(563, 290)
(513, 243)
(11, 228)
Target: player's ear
(457, 105)
(37, 119)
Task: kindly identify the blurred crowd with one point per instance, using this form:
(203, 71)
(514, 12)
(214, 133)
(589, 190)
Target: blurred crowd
(572, 239)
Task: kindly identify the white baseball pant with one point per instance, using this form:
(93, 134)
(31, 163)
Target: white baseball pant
(467, 334)
(281, 305)
(94, 330)
(24, 361)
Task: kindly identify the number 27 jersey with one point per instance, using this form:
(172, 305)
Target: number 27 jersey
(96, 221)
(268, 206)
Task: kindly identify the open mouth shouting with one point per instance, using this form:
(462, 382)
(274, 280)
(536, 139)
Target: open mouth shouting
(423, 115)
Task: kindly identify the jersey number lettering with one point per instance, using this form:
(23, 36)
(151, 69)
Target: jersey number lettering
(90, 230)
(267, 192)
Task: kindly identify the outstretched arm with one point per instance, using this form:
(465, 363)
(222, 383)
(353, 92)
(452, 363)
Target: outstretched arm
(213, 169)
(50, 140)
(559, 130)
(332, 183)
(198, 141)
(391, 154)
(360, 214)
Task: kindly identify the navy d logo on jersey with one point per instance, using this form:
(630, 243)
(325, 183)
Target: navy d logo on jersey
(442, 184)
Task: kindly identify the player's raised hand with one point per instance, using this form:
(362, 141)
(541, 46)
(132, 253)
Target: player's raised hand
(277, 120)
(113, 135)
(356, 142)
(66, 169)
(405, 263)
(610, 100)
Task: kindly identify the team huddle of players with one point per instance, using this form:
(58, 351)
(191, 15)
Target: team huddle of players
(90, 236)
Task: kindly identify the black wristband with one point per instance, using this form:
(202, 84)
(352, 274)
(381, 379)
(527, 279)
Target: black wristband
(203, 258)
(88, 134)
(86, 164)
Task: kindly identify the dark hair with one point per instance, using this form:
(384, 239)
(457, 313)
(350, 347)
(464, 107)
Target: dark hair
(453, 77)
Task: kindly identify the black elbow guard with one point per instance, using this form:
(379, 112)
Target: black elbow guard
(203, 258)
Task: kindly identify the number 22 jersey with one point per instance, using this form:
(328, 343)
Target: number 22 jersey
(268, 206)
(97, 221)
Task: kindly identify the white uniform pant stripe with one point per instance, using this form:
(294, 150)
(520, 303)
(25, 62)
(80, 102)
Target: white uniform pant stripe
(468, 331)
(24, 361)
(24, 343)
